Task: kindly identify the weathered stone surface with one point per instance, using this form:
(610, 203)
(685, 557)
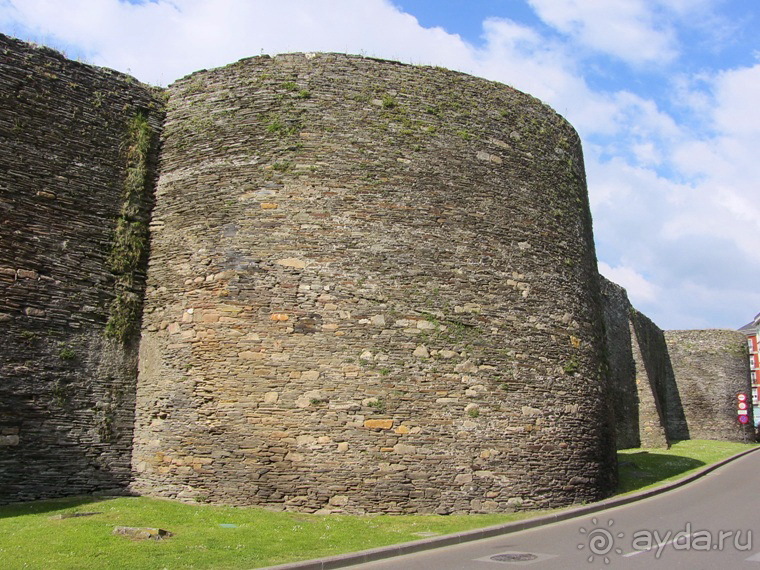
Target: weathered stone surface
(25, 274)
(378, 424)
(66, 391)
(421, 352)
(671, 385)
(411, 246)
(9, 440)
(659, 401)
(271, 397)
(639, 372)
(710, 367)
(622, 367)
(292, 262)
(362, 298)
(338, 501)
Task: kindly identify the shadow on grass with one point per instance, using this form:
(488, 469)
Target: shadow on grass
(49, 506)
(638, 470)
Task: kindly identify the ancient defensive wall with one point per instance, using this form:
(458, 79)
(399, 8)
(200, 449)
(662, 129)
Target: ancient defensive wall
(77, 152)
(711, 368)
(372, 288)
(354, 285)
(622, 368)
(672, 385)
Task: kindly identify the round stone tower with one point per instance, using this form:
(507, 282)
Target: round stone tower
(372, 288)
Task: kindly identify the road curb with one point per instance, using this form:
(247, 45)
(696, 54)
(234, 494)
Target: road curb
(363, 556)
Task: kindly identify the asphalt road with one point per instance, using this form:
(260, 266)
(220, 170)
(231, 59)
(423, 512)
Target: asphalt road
(711, 523)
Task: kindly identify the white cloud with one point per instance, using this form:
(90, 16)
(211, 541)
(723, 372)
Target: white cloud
(737, 93)
(639, 289)
(519, 56)
(630, 30)
(696, 306)
(723, 163)
(163, 40)
(643, 117)
(646, 154)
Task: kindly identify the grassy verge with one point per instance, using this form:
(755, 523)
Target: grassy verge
(227, 537)
(30, 538)
(641, 469)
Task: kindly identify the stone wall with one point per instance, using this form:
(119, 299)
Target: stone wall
(616, 312)
(660, 410)
(70, 256)
(644, 395)
(372, 289)
(673, 385)
(711, 367)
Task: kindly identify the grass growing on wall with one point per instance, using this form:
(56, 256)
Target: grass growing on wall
(130, 239)
(255, 537)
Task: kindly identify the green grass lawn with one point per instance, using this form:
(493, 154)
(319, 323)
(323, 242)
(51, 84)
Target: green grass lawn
(644, 468)
(30, 538)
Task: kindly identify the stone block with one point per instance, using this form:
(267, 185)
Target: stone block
(292, 262)
(271, 397)
(338, 500)
(142, 533)
(378, 424)
(9, 440)
(421, 352)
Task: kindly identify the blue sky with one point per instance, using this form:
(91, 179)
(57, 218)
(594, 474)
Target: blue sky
(664, 94)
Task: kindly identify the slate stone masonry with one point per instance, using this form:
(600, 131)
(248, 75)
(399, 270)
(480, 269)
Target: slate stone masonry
(369, 287)
(66, 390)
(711, 368)
(672, 385)
(369, 292)
(622, 372)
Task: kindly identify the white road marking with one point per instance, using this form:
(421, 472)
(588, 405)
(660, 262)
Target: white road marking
(658, 546)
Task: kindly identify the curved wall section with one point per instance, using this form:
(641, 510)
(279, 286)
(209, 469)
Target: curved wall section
(711, 368)
(372, 288)
(67, 386)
